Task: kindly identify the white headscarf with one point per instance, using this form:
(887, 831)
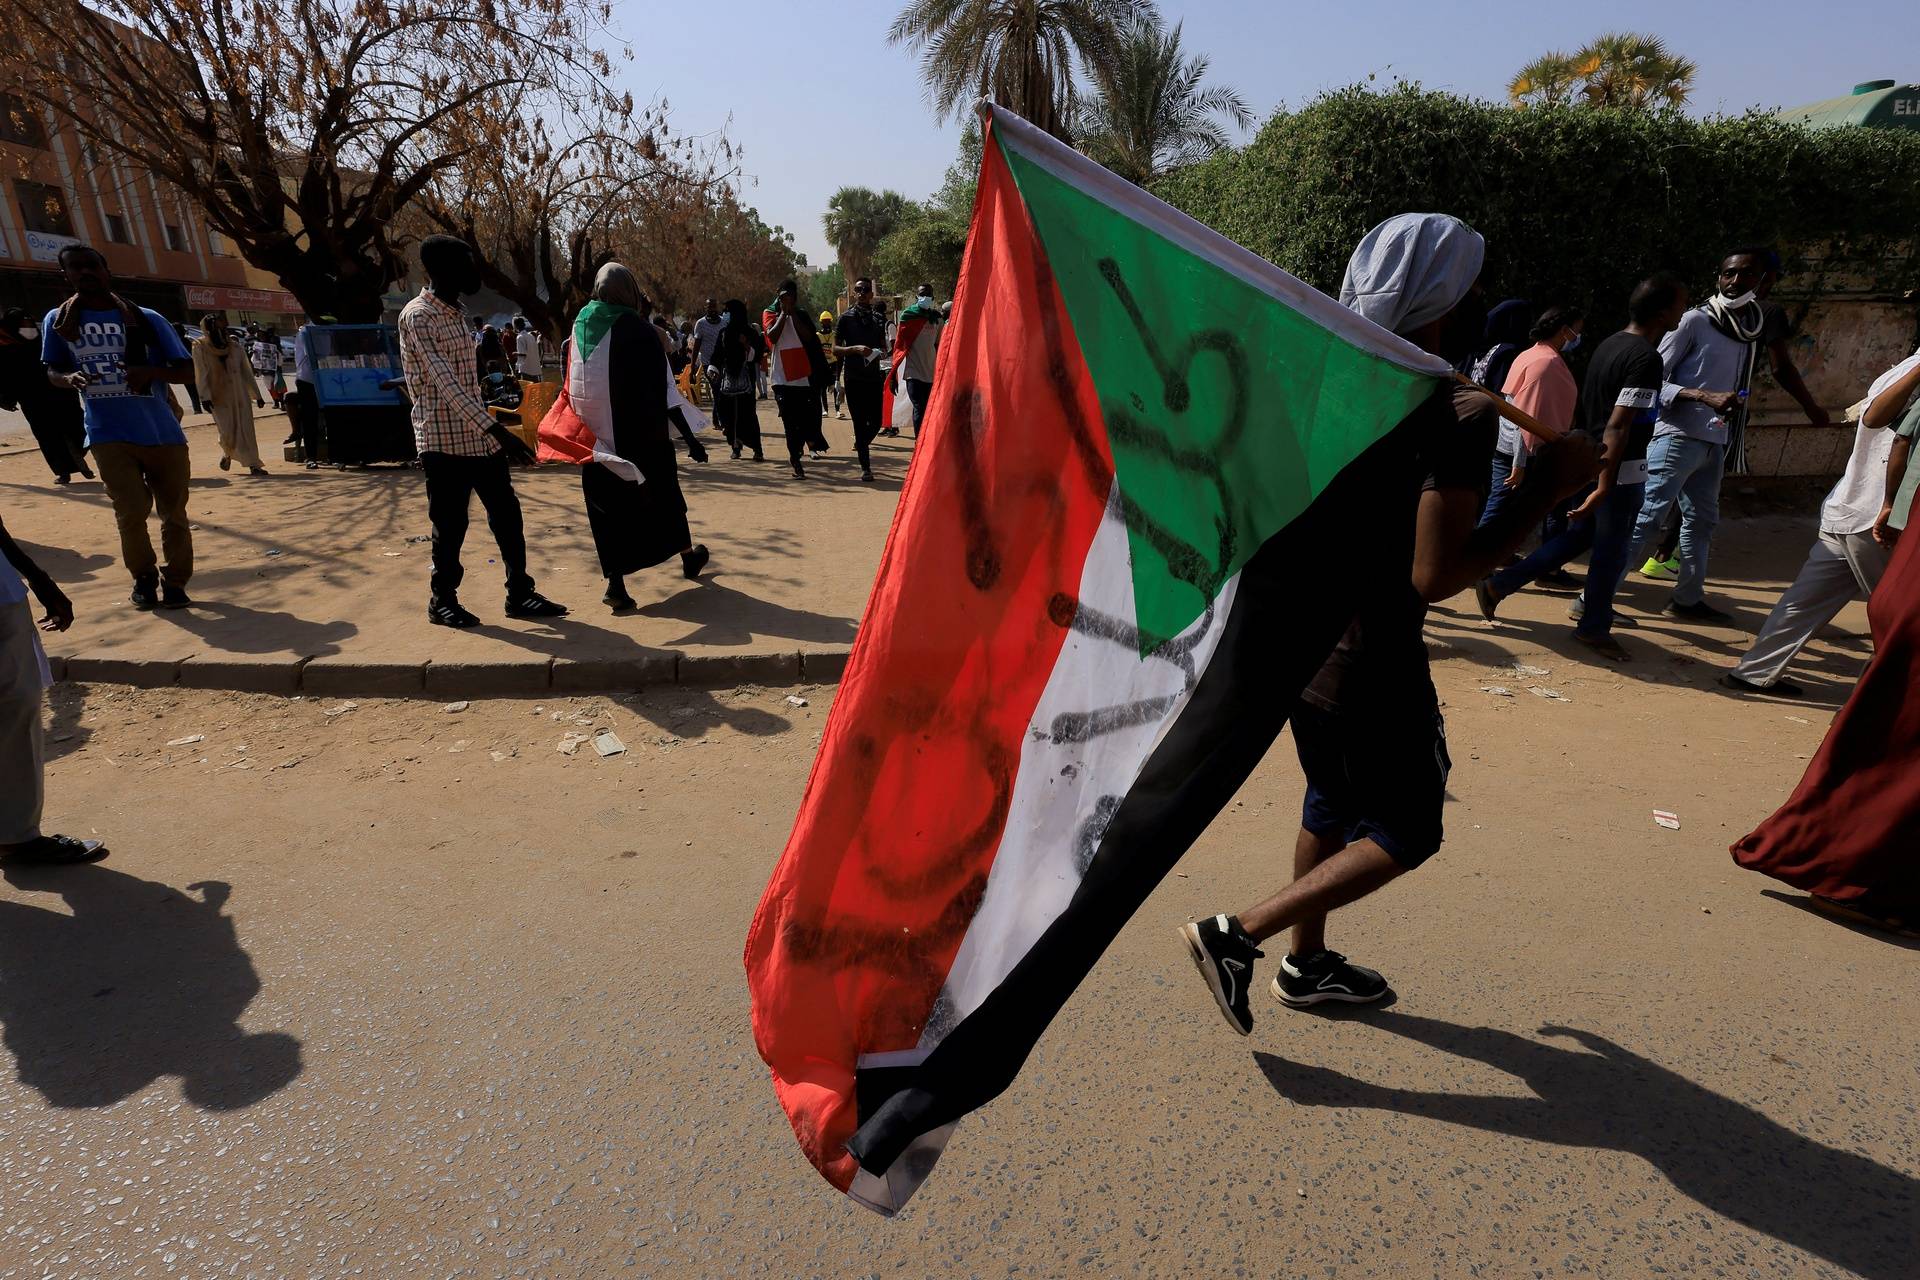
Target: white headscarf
(1412, 269)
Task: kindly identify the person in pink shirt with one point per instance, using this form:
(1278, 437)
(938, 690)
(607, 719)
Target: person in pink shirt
(1541, 384)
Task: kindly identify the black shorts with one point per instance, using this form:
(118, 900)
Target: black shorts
(1375, 775)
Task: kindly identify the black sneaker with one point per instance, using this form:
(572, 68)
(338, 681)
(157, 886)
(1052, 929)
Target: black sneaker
(1324, 976)
(1225, 959)
(145, 595)
(1700, 612)
(448, 613)
(1559, 580)
(1484, 597)
(174, 598)
(692, 562)
(535, 605)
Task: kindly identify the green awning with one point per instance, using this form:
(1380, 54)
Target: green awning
(1889, 107)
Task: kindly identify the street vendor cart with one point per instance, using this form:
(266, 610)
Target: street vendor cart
(363, 412)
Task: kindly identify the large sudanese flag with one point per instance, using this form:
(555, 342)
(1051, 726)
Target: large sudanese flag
(1142, 506)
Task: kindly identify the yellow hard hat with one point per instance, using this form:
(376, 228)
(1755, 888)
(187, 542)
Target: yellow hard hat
(826, 317)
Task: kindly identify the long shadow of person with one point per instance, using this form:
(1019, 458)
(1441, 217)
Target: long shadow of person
(722, 615)
(140, 981)
(1834, 1204)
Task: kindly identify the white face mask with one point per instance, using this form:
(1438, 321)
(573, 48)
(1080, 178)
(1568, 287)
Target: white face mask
(29, 332)
(1740, 301)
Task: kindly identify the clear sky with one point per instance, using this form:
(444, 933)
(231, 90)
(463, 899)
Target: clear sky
(818, 98)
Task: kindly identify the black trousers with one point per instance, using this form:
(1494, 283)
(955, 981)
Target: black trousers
(863, 405)
(59, 429)
(800, 418)
(452, 481)
(307, 411)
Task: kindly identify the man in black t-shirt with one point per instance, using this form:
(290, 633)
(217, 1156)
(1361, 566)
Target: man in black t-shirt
(1620, 401)
(860, 339)
(1621, 398)
(1368, 727)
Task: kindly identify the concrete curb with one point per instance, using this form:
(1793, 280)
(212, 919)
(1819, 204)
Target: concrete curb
(337, 675)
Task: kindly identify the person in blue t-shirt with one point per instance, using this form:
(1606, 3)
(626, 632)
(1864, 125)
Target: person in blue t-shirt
(120, 358)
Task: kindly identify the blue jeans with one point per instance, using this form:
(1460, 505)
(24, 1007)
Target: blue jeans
(1561, 542)
(1613, 524)
(1498, 495)
(1686, 472)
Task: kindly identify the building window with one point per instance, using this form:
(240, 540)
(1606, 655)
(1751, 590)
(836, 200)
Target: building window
(44, 208)
(218, 243)
(176, 238)
(117, 229)
(20, 124)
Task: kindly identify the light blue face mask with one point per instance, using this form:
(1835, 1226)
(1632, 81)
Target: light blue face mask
(1573, 344)
(726, 318)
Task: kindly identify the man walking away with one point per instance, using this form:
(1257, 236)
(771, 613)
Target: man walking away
(23, 675)
(526, 347)
(120, 358)
(916, 346)
(463, 451)
(860, 339)
(52, 412)
(306, 408)
(1846, 559)
(1368, 727)
(1621, 398)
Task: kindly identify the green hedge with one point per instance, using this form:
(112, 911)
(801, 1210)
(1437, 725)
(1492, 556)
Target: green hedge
(1576, 203)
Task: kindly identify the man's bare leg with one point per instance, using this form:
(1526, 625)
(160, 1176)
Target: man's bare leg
(1326, 876)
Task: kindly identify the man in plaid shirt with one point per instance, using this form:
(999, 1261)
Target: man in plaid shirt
(463, 451)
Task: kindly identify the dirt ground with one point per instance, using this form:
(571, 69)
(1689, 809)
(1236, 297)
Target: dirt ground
(333, 564)
(390, 990)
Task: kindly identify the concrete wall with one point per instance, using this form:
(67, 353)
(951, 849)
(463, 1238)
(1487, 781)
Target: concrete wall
(1850, 332)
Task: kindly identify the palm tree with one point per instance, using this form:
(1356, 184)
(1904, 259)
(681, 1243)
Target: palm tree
(1024, 54)
(1546, 81)
(1151, 114)
(857, 219)
(1624, 69)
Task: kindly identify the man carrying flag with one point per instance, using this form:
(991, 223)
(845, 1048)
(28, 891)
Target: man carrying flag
(1368, 728)
(1098, 605)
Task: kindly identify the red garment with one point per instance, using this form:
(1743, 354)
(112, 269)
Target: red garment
(1851, 829)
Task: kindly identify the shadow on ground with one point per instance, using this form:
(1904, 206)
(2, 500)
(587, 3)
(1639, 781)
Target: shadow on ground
(1839, 1206)
(724, 616)
(134, 981)
(1803, 902)
(234, 628)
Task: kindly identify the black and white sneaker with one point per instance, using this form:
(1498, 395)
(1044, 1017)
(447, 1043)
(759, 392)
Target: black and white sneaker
(1225, 959)
(1324, 976)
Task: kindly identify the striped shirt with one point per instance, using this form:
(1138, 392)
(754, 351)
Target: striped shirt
(436, 355)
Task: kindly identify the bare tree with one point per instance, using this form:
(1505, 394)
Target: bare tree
(543, 216)
(302, 127)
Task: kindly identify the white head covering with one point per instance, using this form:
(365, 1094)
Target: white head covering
(1412, 269)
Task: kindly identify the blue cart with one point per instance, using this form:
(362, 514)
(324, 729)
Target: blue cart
(363, 417)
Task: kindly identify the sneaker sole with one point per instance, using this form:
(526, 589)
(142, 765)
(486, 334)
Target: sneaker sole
(1197, 951)
(1324, 997)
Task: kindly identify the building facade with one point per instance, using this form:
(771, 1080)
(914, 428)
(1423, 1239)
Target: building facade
(57, 190)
